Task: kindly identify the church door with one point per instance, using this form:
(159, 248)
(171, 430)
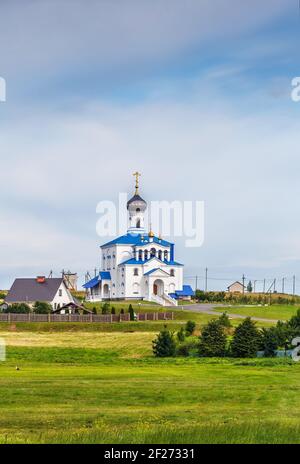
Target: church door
(155, 289)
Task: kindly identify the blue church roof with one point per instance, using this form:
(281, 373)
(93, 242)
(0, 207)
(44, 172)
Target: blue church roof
(137, 261)
(186, 291)
(136, 239)
(94, 282)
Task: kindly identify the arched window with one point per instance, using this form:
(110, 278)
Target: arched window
(138, 223)
(152, 252)
(160, 255)
(138, 210)
(136, 272)
(140, 255)
(172, 273)
(146, 255)
(136, 289)
(166, 255)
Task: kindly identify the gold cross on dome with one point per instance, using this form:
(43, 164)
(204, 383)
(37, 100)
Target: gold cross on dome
(137, 175)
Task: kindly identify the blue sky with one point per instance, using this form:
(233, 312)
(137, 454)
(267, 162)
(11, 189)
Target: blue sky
(194, 94)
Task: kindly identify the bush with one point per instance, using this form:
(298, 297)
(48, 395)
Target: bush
(181, 335)
(131, 312)
(164, 345)
(224, 321)
(189, 347)
(41, 307)
(246, 340)
(122, 311)
(269, 341)
(190, 328)
(106, 308)
(113, 310)
(18, 308)
(212, 340)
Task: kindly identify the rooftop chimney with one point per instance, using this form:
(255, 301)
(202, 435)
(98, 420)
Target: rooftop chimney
(41, 279)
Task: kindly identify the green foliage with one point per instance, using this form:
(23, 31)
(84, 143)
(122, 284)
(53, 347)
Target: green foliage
(164, 345)
(249, 287)
(122, 311)
(18, 308)
(246, 340)
(269, 341)
(94, 310)
(113, 310)
(189, 347)
(181, 335)
(245, 299)
(106, 308)
(131, 312)
(41, 307)
(190, 328)
(2, 296)
(212, 340)
(224, 321)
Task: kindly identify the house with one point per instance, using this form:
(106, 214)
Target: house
(52, 290)
(237, 287)
(139, 265)
(72, 308)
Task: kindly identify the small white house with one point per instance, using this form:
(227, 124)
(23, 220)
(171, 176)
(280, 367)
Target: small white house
(53, 291)
(237, 287)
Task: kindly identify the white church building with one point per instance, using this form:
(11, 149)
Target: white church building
(139, 265)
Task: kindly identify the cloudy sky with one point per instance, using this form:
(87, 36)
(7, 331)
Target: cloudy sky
(194, 94)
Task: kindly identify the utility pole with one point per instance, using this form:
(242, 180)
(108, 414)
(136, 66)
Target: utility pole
(274, 285)
(196, 285)
(206, 270)
(264, 286)
(244, 283)
(283, 279)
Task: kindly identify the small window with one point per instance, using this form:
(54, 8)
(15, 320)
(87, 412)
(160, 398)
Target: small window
(138, 210)
(172, 273)
(136, 272)
(60, 292)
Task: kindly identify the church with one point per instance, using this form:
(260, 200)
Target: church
(139, 265)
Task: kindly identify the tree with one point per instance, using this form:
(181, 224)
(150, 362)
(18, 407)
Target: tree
(246, 340)
(249, 287)
(212, 340)
(190, 328)
(122, 311)
(269, 341)
(113, 310)
(224, 321)
(131, 312)
(94, 310)
(105, 308)
(164, 345)
(41, 307)
(181, 335)
(18, 308)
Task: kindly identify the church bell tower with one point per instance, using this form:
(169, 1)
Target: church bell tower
(136, 207)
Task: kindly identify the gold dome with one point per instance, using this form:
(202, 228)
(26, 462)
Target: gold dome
(151, 234)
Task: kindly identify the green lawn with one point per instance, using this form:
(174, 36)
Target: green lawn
(106, 387)
(279, 312)
(74, 395)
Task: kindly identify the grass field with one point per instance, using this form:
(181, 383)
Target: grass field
(75, 395)
(99, 383)
(279, 312)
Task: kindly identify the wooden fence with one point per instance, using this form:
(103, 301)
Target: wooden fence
(10, 317)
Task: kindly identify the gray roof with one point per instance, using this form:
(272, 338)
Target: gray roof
(30, 290)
